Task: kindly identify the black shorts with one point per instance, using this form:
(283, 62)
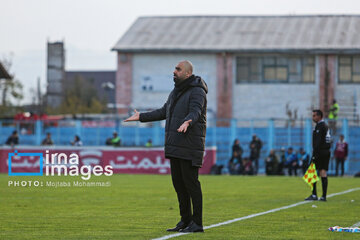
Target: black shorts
(322, 161)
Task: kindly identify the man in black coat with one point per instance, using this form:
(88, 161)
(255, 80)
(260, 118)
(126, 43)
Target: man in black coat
(185, 131)
(321, 152)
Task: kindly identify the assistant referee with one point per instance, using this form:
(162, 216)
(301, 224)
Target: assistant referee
(321, 152)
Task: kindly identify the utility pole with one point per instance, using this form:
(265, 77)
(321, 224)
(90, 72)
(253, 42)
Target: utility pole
(39, 96)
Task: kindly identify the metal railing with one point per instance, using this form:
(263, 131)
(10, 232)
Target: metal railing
(274, 133)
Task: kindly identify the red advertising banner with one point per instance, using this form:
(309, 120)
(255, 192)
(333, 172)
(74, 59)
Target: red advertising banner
(123, 160)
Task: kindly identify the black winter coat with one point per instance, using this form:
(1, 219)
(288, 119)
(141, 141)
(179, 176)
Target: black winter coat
(189, 103)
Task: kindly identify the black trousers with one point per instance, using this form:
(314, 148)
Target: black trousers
(255, 162)
(340, 161)
(291, 169)
(188, 189)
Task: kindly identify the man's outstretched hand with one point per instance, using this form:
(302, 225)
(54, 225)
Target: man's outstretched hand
(134, 117)
(184, 126)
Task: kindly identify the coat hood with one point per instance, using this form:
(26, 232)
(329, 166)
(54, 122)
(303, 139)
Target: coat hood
(199, 82)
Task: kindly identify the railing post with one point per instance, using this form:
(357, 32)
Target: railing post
(156, 133)
(289, 142)
(345, 131)
(58, 134)
(233, 124)
(119, 130)
(137, 135)
(345, 128)
(251, 128)
(38, 130)
(78, 128)
(214, 139)
(97, 142)
(271, 135)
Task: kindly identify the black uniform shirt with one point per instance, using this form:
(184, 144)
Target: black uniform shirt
(321, 139)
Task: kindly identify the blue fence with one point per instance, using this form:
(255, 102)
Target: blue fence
(274, 133)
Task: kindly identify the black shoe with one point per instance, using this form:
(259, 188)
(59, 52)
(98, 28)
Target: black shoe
(322, 199)
(311, 198)
(193, 227)
(180, 226)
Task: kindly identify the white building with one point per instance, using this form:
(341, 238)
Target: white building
(255, 66)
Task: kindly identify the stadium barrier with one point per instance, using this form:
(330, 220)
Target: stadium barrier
(274, 133)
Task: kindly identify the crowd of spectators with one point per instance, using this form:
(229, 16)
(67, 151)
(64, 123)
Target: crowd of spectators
(245, 165)
(286, 161)
(115, 140)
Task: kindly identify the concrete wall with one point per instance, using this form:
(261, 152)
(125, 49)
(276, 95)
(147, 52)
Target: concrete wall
(266, 100)
(155, 72)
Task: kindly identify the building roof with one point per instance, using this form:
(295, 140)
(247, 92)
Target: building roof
(3, 73)
(319, 33)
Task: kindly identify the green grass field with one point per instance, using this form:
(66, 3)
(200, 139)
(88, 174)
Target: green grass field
(143, 206)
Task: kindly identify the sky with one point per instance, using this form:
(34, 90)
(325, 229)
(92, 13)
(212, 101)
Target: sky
(90, 28)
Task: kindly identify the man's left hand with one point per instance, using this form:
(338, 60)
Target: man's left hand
(184, 126)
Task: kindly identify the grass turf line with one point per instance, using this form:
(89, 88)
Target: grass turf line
(143, 206)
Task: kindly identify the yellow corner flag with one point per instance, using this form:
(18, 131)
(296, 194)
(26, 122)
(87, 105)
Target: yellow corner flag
(311, 176)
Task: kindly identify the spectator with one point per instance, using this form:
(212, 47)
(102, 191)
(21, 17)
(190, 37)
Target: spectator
(114, 141)
(23, 131)
(247, 167)
(148, 143)
(77, 141)
(271, 163)
(303, 160)
(282, 162)
(255, 149)
(333, 116)
(216, 169)
(334, 110)
(235, 163)
(47, 140)
(291, 161)
(237, 148)
(13, 139)
(340, 153)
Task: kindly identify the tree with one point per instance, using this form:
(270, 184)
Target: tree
(11, 91)
(81, 97)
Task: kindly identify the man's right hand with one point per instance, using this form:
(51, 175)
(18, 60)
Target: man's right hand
(134, 117)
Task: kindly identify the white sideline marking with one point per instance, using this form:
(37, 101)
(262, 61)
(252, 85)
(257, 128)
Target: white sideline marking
(258, 214)
(356, 225)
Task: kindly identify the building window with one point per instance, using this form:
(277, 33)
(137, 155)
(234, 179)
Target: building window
(275, 69)
(156, 83)
(349, 69)
(147, 84)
